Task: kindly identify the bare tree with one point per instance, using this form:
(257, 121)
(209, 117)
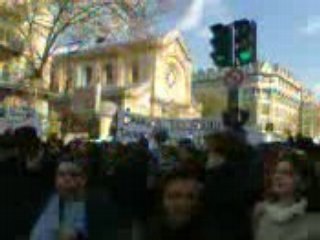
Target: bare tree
(46, 25)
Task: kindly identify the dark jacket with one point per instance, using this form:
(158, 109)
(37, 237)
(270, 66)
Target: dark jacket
(159, 229)
(130, 188)
(23, 194)
(102, 216)
(229, 202)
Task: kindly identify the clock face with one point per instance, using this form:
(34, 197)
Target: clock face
(170, 82)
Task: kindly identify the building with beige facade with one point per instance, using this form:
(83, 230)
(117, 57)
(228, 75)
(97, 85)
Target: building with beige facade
(15, 90)
(309, 121)
(151, 77)
(208, 88)
(273, 97)
(279, 105)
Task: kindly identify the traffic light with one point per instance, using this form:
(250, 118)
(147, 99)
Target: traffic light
(222, 42)
(245, 42)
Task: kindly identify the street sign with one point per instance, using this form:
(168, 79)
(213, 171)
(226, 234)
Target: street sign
(234, 78)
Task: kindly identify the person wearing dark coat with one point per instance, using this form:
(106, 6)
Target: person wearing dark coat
(179, 216)
(229, 194)
(130, 189)
(26, 184)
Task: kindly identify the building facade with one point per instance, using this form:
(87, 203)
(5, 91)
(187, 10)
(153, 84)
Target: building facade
(150, 77)
(273, 97)
(16, 91)
(279, 105)
(208, 89)
(309, 114)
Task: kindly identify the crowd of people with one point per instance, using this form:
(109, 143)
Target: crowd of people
(150, 190)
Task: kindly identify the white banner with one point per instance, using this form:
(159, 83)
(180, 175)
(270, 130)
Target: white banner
(13, 118)
(130, 127)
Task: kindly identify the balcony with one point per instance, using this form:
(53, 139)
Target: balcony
(135, 89)
(14, 84)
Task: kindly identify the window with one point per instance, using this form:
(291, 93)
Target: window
(135, 72)
(110, 79)
(265, 109)
(261, 126)
(85, 77)
(88, 76)
(54, 82)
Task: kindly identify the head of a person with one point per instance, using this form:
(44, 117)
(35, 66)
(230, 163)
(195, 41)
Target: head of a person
(226, 145)
(169, 152)
(70, 179)
(160, 135)
(289, 177)
(186, 149)
(180, 198)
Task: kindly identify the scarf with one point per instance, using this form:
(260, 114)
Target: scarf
(49, 224)
(281, 214)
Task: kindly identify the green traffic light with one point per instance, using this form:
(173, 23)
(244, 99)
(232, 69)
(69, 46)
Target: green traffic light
(245, 56)
(245, 41)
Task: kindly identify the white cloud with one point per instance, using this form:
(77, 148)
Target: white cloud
(193, 16)
(205, 33)
(312, 27)
(218, 11)
(199, 11)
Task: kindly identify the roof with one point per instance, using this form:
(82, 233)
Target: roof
(103, 47)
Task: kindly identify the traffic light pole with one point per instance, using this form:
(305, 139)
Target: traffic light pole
(233, 97)
(234, 117)
(234, 45)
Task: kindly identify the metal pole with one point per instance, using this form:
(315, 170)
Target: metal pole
(233, 98)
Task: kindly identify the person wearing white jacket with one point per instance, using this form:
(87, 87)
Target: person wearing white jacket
(283, 215)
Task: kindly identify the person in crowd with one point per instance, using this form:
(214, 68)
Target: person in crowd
(189, 158)
(169, 159)
(283, 214)
(75, 212)
(25, 181)
(313, 191)
(53, 148)
(179, 212)
(130, 189)
(157, 139)
(230, 192)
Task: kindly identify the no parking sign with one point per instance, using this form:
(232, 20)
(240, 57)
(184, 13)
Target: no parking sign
(234, 78)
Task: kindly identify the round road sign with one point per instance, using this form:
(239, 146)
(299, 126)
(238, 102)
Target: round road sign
(234, 78)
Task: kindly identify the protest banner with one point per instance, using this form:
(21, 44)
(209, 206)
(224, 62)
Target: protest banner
(130, 127)
(17, 117)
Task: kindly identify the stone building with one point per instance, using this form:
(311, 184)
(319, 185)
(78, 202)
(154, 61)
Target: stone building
(151, 77)
(279, 105)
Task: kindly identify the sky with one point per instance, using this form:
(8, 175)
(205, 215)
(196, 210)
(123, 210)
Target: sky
(288, 31)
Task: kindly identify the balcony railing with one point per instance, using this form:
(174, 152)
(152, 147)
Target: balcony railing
(24, 86)
(110, 90)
